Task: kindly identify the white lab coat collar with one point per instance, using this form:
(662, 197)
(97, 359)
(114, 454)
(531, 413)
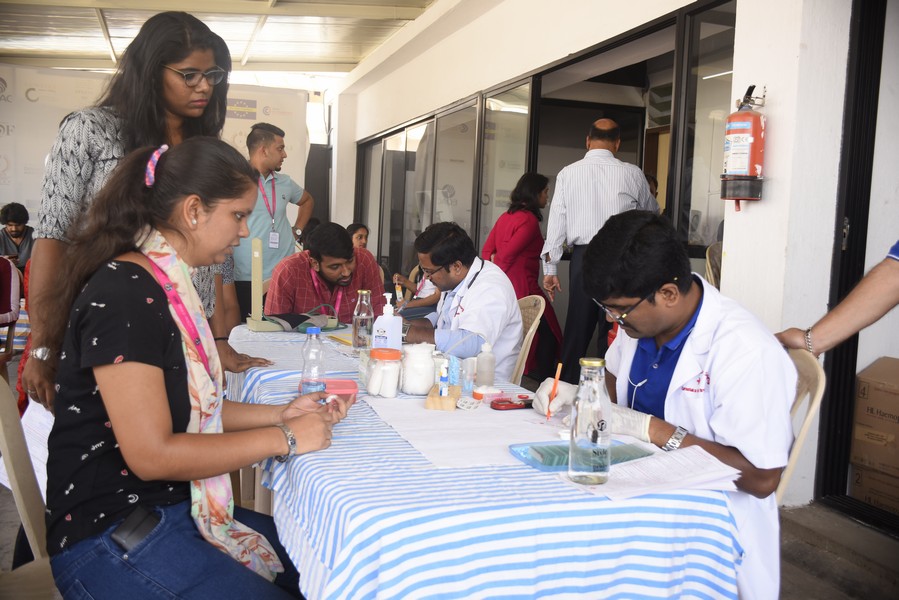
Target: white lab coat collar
(694, 357)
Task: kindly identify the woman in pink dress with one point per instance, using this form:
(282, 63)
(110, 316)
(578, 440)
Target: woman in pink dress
(514, 245)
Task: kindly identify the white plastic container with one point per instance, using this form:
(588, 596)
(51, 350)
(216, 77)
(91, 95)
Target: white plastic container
(486, 365)
(418, 369)
(384, 370)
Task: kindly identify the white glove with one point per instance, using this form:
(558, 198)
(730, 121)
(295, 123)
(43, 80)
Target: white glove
(565, 395)
(630, 422)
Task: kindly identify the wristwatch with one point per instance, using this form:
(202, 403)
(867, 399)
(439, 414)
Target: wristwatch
(675, 440)
(40, 353)
(298, 231)
(291, 443)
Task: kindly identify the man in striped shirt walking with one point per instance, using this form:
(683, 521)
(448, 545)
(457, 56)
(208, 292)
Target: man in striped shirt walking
(587, 193)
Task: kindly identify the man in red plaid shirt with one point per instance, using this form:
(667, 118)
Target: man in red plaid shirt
(330, 271)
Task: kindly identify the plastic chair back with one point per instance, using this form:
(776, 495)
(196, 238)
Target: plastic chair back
(809, 391)
(532, 308)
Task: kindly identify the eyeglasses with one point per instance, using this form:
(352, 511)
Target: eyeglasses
(192, 78)
(430, 272)
(620, 318)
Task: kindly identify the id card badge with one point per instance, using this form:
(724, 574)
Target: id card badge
(274, 238)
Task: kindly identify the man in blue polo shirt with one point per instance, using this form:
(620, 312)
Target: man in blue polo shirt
(874, 296)
(268, 221)
(692, 367)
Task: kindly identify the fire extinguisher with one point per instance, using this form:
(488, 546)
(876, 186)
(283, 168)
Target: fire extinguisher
(744, 151)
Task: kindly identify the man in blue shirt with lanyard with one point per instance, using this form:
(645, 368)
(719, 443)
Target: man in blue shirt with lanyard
(268, 221)
(692, 367)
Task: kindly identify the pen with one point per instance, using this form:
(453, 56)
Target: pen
(552, 392)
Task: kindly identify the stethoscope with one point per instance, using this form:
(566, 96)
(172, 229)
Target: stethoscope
(457, 299)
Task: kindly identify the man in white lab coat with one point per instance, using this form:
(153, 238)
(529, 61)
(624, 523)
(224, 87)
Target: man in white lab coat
(478, 303)
(692, 367)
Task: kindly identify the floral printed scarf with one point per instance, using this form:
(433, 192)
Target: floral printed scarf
(212, 501)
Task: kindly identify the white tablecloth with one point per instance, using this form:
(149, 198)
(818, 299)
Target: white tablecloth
(371, 517)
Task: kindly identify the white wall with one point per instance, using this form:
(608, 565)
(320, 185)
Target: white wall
(883, 229)
(34, 101)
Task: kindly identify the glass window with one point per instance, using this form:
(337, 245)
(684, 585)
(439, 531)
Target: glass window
(371, 193)
(419, 187)
(393, 189)
(708, 102)
(505, 154)
(455, 167)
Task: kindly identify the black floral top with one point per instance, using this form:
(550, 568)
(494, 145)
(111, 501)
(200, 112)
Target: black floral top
(122, 314)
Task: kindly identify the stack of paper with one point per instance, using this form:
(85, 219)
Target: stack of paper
(687, 468)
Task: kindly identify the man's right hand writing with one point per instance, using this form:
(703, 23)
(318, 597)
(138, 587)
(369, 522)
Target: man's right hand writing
(551, 285)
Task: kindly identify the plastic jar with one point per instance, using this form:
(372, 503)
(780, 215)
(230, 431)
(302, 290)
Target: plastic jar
(384, 370)
(418, 369)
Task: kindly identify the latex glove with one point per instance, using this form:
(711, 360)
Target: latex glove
(565, 395)
(630, 422)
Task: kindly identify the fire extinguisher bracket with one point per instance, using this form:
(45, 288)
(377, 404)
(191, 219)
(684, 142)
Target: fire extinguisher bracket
(741, 187)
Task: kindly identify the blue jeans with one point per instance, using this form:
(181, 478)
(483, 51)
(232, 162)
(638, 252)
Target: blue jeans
(173, 561)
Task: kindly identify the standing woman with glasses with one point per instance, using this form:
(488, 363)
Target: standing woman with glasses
(171, 85)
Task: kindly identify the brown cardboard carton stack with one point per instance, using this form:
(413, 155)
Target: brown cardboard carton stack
(875, 436)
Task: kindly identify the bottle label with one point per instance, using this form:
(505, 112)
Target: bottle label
(311, 386)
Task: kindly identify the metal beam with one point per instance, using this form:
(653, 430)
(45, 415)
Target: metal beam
(242, 7)
(106, 36)
(98, 64)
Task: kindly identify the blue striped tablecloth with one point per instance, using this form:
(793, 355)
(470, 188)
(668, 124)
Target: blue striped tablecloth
(370, 517)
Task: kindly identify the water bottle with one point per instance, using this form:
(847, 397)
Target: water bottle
(362, 320)
(589, 456)
(313, 378)
(486, 365)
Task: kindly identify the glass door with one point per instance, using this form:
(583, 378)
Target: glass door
(455, 167)
(506, 120)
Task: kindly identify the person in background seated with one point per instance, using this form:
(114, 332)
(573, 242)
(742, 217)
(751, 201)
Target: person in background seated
(330, 271)
(874, 296)
(359, 233)
(514, 245)
(138, 492)
(424, 295)
(16, 236)
(692, 367)
(478, 304)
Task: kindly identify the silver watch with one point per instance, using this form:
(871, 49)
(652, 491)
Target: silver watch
(675, 440)
(40, 353)
(291, 443)
(298, 231)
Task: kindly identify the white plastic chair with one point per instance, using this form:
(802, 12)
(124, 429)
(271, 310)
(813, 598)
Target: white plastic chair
(810, 385)
(532, 308)
(34, 579)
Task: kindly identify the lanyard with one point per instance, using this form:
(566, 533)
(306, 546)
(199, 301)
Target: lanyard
(321, 295)
(421, 285)
(271, 208)
(178, 304)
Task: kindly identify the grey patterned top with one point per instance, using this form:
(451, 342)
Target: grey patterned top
(87, 149)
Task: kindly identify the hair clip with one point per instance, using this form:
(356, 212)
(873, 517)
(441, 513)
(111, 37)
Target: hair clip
(150, 174)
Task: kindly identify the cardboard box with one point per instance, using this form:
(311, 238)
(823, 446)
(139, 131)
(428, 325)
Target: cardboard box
(875, 433)
(874, 488)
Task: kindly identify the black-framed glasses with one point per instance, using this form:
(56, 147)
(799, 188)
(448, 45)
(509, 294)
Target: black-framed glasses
(430, 272)
(619, 318)
(192, 78)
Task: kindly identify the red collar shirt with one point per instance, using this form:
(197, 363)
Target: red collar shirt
(297, 288)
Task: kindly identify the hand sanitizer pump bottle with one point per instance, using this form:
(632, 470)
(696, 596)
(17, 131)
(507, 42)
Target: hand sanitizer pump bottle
(387, 331)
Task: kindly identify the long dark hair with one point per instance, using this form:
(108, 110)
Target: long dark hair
(135, 91)
(126, 207)
(526, 195)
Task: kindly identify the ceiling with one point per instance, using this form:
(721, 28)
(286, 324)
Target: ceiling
(286, 43)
